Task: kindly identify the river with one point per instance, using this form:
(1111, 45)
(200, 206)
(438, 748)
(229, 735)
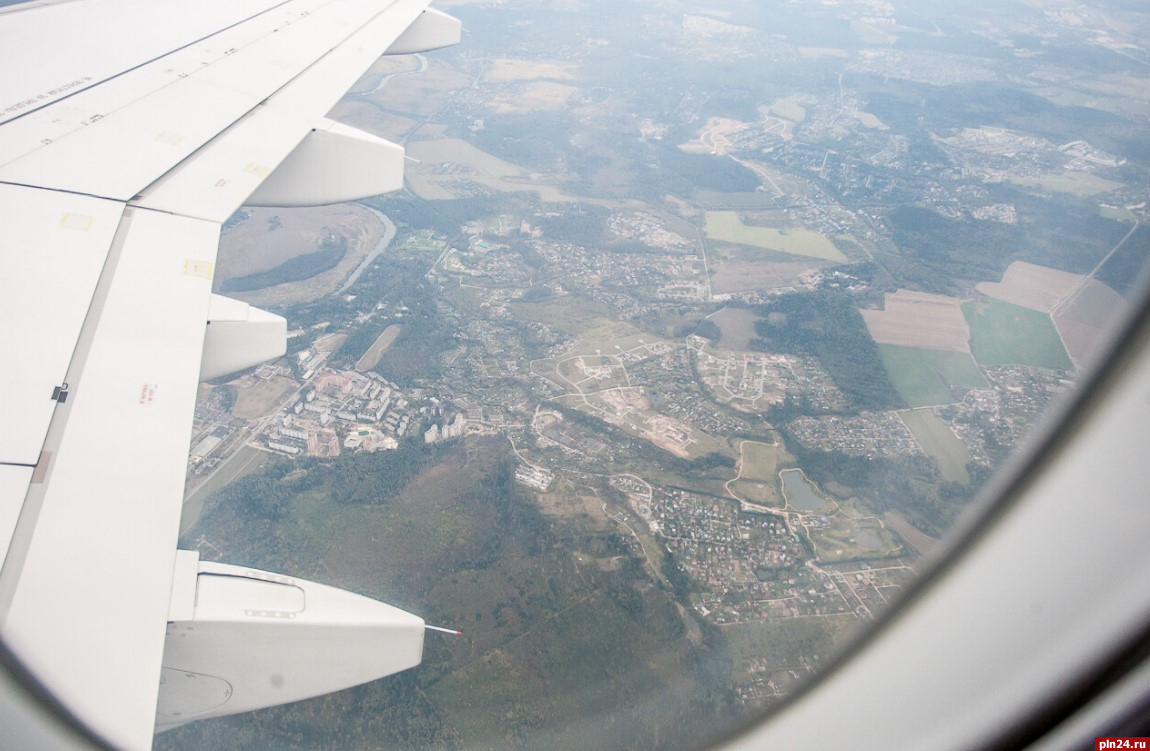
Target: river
(388, 236)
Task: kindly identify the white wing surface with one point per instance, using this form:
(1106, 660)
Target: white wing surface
(131, 131)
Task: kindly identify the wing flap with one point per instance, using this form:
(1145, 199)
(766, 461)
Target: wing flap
(86, 585)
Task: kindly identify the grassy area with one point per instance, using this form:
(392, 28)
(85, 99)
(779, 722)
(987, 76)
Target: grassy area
(487, 169)
(1081, 184)
(760, 460)
(737, 327)
(1006, 334)
(728, 226)
(940, 442)
(758, 481)
(868, 120)
(790, 108)
(787, 644)
(572, 314)
(263, 397)
(760, 492)
(715, 200)
(845, 539)
(1119, 213)
(926, 377)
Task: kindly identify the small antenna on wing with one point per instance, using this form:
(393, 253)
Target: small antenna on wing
(412, 159)
(444, 630)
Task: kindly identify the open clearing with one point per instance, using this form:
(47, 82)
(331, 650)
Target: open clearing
(790, 640)
(759, 460)
(371, 357)
(910, 534)
(262, 398)
(714, 200)
(269, 237)
(419, 95)
(792, 107)
(732, 277)
(926, 377)
(567, 503)
(737, 326)
(758, 474)
(919, 319)
(1031, 286)
(1088, 320)
(728, 226)
(938, 441)
(1006, 334)
(447, 164)
(531, 96)
(503, 69)
(844, 539)
(1081, 184)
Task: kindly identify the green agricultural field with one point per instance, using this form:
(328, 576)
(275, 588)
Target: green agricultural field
(1006, 334)
(940, 442)
(728, 226)
(926, 377)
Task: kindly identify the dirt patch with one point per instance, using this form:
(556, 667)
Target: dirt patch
(918, 319)
(572, 506)
(1032, 286)
(733, 277)
(1088, 321)
(262, 397)
(330, 343)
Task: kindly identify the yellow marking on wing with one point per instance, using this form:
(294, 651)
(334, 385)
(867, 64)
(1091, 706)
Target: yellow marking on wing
(202, 269)
(78, 222)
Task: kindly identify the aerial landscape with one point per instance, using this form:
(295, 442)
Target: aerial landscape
(693, 332)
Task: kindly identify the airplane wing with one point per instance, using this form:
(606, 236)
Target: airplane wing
(130, 130)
